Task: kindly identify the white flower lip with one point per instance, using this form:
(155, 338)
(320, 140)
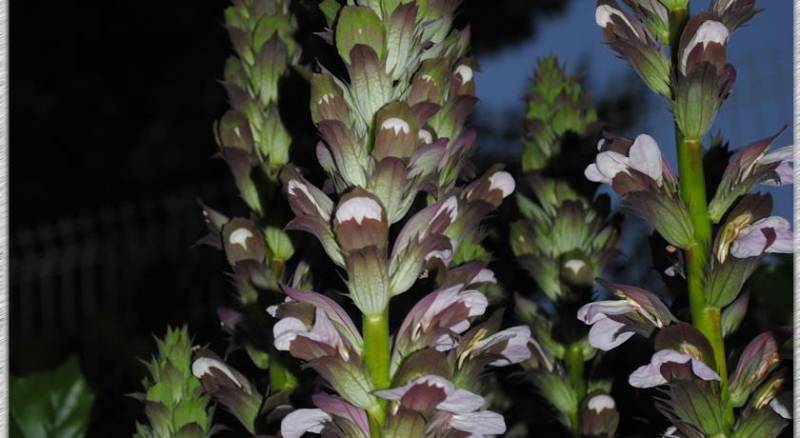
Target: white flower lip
(300, 421)
(358, 209)
(465, 72)
(294, 184)
(603, 13)
(203, 365)
(503, 181)
(709, 32)
(644, 156)
(397, 125)
(239, 237)
(425, 136)
(600, 403)
(649, 376)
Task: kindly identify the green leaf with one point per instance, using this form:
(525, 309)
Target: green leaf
(57, 403)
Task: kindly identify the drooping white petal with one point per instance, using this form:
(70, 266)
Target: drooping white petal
(286, 330)
(649, 376)
(358, 209)
(607, 334)
(301, 421)
(592, 173)
(595, 311)
(516, 349)
(461, 401)
(645, 156)
(752, 241)
(475, 301)
(484, 276)
(610, 163)
(479, 424)
(203, 365)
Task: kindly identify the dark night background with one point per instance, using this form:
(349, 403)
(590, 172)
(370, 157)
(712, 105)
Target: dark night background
(112, 105)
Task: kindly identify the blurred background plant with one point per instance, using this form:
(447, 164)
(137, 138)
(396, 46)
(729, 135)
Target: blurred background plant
(56, 403)
(102, 230)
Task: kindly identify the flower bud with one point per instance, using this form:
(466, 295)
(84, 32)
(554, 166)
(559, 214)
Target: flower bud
(634, 43)
(599, 416)
(757, 361)
(243, 241)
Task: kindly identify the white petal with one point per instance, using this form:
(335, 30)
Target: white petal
(301, 421)
(461, 401)
(484, 276)
(780, 408)
(203, 365)
(610, 163)
(592, 173)
(425, 136)
(465, 72)
(603, 13)
(607, 334)
(475, 301)
(645, 156)
(479, 424)
(503, 181)
(285, 330)
(595, 311)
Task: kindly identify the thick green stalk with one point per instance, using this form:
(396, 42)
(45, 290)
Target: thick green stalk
(693, 192)
(377, 358)
(574, 360)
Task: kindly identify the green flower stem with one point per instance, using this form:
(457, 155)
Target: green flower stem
(377, 359)
(693, 192)
(280, 377)
(574, 360)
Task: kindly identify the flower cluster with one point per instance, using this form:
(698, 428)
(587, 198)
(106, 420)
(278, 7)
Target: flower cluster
(395, 129)
(173, 398)
(689, 362)
(563, 241)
